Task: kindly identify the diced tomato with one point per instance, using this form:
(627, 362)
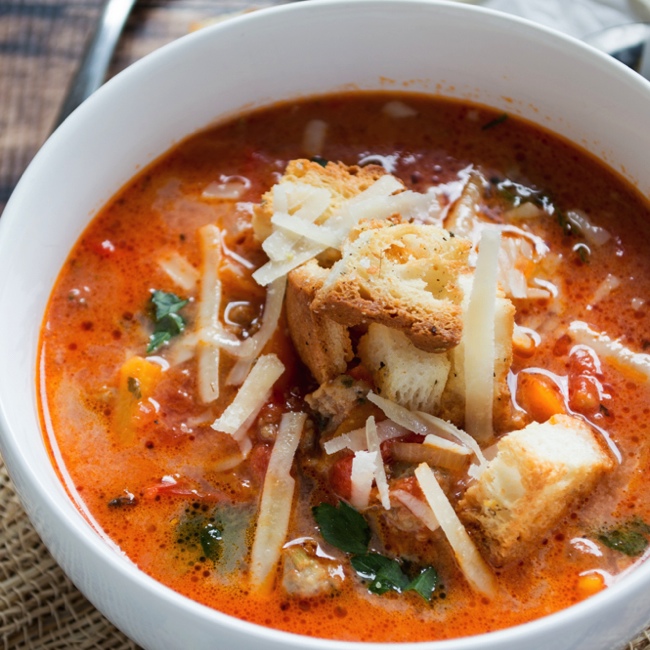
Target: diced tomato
(340, 476)
(259, 461)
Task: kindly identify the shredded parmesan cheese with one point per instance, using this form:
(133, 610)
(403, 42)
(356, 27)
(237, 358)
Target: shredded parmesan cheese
(180, 271)
(208, 353)
(250, 398)
(276, 502)
(469, 560)
(380, 471)
(364, 465)
(478, 339)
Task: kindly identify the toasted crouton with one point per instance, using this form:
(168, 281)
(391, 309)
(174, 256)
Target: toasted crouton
(323, 345)
(402, 373)
(341, 181)
(402, 275)
(537, 474)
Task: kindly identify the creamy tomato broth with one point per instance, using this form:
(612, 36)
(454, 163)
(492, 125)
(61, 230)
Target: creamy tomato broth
(151, 310)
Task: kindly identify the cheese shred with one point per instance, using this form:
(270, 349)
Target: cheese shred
(469, 560)
(276, 503)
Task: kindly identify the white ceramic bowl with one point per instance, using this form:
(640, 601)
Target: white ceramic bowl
(287, 52)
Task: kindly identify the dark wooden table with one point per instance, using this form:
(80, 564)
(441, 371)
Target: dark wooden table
(41, 42)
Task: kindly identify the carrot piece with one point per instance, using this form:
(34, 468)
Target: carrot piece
(539, 397)
(136, 383)
(590, 584)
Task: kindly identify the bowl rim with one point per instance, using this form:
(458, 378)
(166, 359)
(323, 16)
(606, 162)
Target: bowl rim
(78, 526)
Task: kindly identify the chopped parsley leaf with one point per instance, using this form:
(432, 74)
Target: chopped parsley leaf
(343, 527)
(168, 322)
(495, 122)
(629, 539)
(348, 530)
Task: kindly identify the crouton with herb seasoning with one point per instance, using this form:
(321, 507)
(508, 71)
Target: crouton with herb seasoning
(402, 275)
(537, 473)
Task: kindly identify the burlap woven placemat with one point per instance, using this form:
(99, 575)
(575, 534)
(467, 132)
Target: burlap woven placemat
(40, 609)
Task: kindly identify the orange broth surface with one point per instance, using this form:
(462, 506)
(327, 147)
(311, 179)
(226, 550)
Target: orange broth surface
(149, 490)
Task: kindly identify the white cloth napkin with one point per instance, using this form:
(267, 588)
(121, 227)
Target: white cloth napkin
(579, 18)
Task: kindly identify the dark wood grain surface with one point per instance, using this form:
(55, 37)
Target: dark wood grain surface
(41, 42)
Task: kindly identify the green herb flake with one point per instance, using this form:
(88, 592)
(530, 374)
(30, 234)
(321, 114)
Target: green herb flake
(564, 222)
(168, 321)
(211, 541)
(629, 539)
(385, 574)
(319, 160)
(495, 122)
(424, 583)
(343, 527)
(583, 253)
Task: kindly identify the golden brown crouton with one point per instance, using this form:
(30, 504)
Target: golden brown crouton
(323, 345)
(342, 181)
(402, 373)
(537, 474)
(404, 276)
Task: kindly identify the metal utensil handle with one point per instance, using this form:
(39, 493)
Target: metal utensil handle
(97, 56)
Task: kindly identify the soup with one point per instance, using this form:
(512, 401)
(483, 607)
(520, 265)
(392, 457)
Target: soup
(367, 367)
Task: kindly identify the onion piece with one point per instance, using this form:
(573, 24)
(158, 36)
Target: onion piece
(228, 188)
(356, 440)
(419, 508)
(469, 560)
(250, 349)
(313, 138)
(525, 210)
(594, 234)
(180, 271)
(417, 452)
(635, 364)
(448, 429)
(397, 110)
(609, 284)
(276, 502)
(445, 445)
